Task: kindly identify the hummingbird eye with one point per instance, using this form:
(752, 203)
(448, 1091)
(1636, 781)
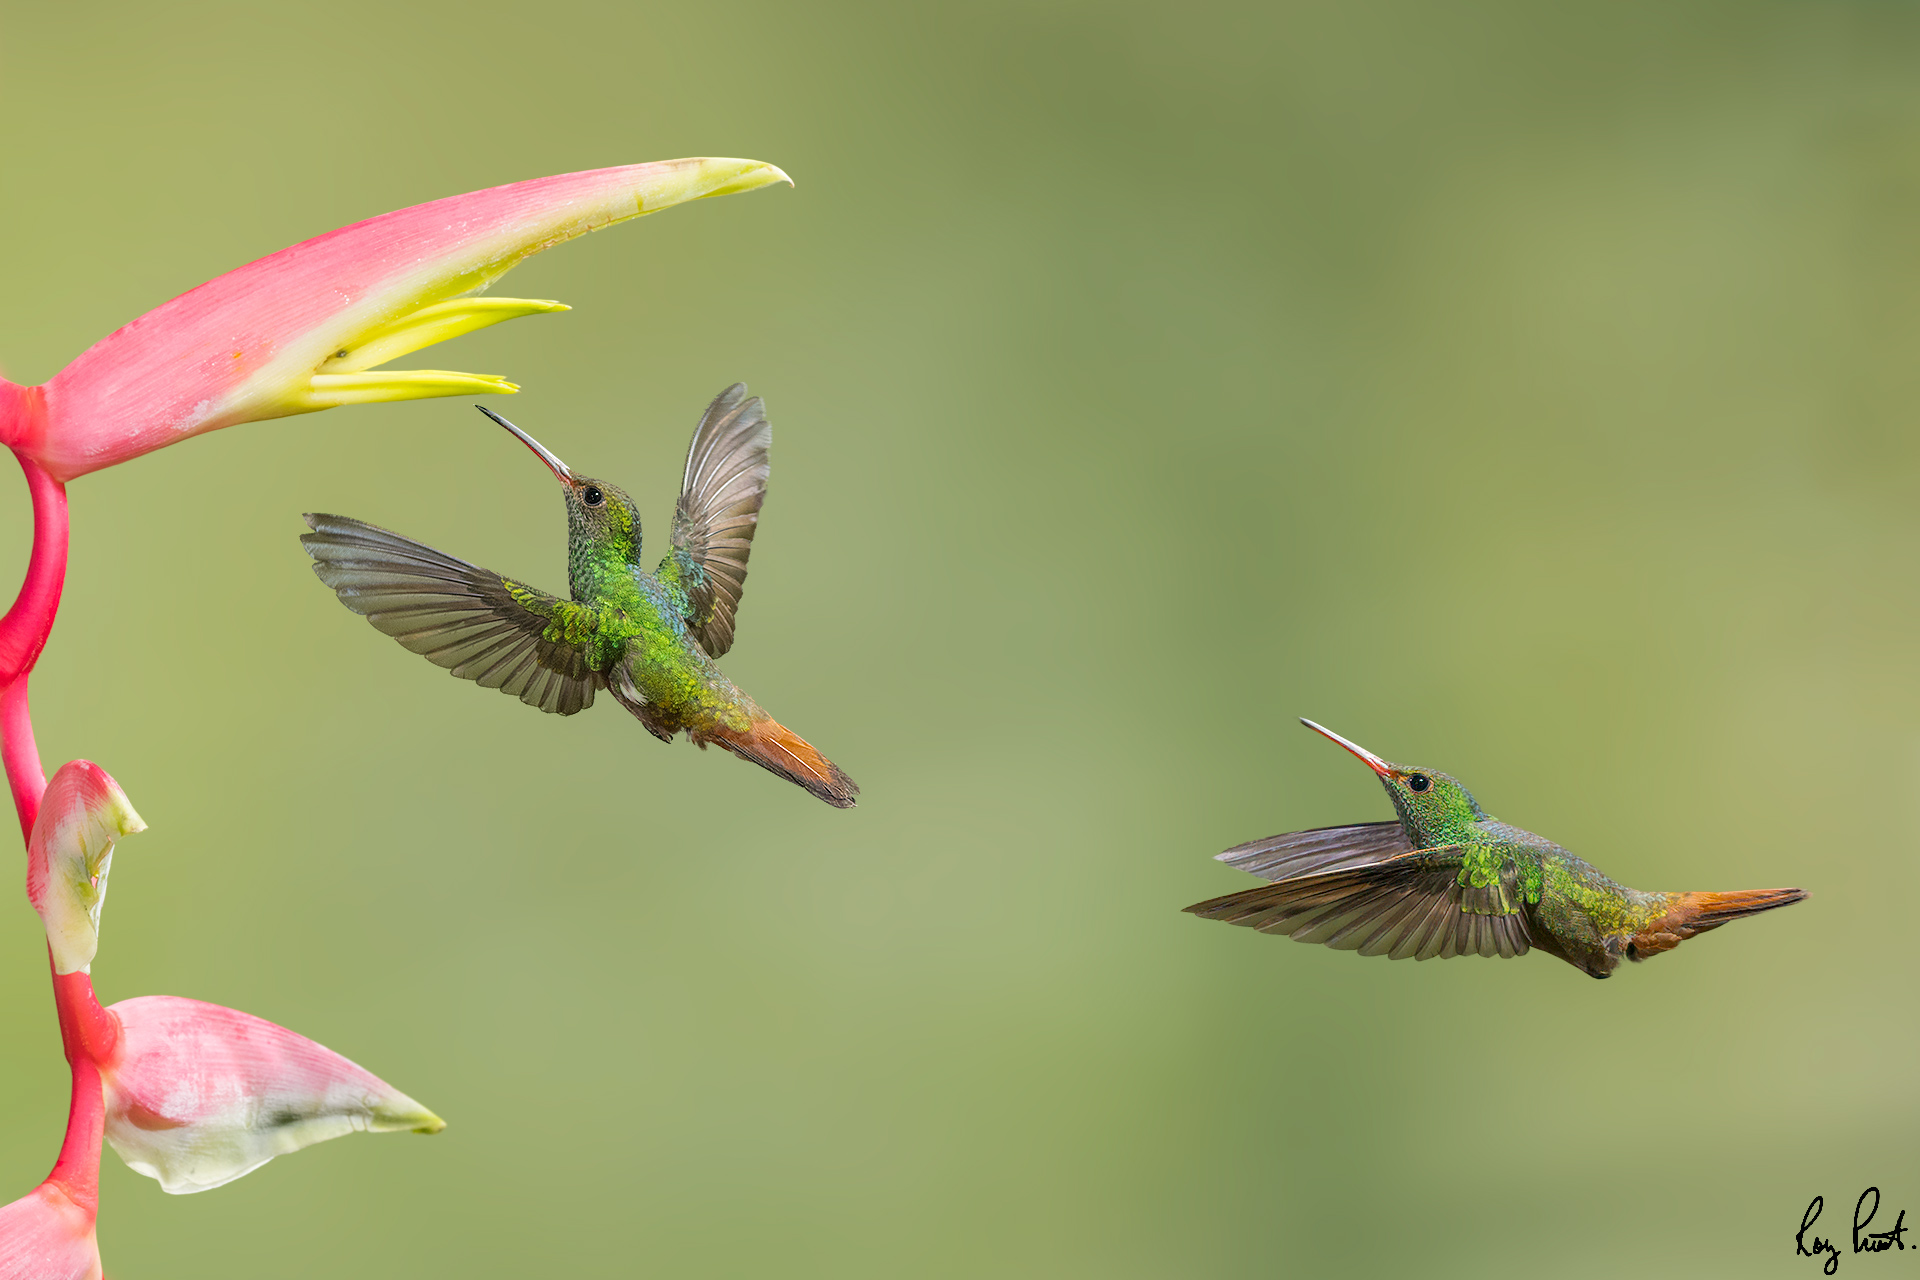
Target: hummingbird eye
(1418, 782)
(593, 496)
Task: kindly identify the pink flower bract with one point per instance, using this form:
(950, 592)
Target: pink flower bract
(198, 1095)
(302, 329)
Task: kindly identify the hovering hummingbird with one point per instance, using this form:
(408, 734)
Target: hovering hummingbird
(648, 638)
(1445, 880)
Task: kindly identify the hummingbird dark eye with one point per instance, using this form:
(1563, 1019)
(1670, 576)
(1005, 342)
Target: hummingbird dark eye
(593, 496)
(1418, 782)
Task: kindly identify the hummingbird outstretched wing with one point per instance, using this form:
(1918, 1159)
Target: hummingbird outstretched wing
(1409, 906)
(1300, 853)
(719, 507)
(479, 625)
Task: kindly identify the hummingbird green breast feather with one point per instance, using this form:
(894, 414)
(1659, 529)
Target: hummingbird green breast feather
(649, 639)
(1446, 878)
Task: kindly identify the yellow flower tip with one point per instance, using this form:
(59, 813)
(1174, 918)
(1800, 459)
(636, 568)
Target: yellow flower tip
(426, 325)
(760, 175)
(129, 822)
(401, 1114)
(684, 180)
(330, 390)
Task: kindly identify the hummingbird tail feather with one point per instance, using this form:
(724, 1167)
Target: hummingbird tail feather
(778, 749)
(1694, 913)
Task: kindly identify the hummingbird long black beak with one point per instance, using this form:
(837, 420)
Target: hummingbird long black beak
(541, 451)
(1367, 757)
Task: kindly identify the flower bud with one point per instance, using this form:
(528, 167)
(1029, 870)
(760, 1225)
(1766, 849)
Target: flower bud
(69, 854)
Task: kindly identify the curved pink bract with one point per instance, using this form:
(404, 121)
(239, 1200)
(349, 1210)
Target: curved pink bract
(46, 1235)
(244, 347)
(198, 1095)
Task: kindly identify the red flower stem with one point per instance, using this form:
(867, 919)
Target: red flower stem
(23, 634)
(21, 754)
(88, 1033)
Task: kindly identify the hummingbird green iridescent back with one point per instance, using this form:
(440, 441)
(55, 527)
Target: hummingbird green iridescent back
(1447, 879)
(649, 639)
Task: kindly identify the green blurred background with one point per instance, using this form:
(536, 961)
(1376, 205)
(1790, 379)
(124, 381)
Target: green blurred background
(1527, 392)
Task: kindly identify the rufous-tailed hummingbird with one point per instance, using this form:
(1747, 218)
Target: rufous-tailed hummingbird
(1445, 879)
(648, 638)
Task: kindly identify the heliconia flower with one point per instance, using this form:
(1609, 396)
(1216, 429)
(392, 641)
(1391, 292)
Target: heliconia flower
(188, 1093)
(304, 328)
(69, 854)
(198, 1095)
(46, 1235)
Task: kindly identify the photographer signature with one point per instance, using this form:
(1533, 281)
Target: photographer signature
(1806, 1245)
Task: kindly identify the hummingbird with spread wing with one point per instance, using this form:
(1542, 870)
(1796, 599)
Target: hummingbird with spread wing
(649, 639)
(1445, 879)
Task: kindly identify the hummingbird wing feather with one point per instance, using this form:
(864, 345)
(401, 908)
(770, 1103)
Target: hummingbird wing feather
(719, 508)
(1300, 853)
(479, 625)
(1412, 905)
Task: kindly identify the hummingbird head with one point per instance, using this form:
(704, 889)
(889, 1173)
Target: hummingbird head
(1434, 807)
(601, 518)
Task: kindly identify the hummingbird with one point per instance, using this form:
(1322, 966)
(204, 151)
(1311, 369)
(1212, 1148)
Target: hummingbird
(649, 639)
(1445, 879)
